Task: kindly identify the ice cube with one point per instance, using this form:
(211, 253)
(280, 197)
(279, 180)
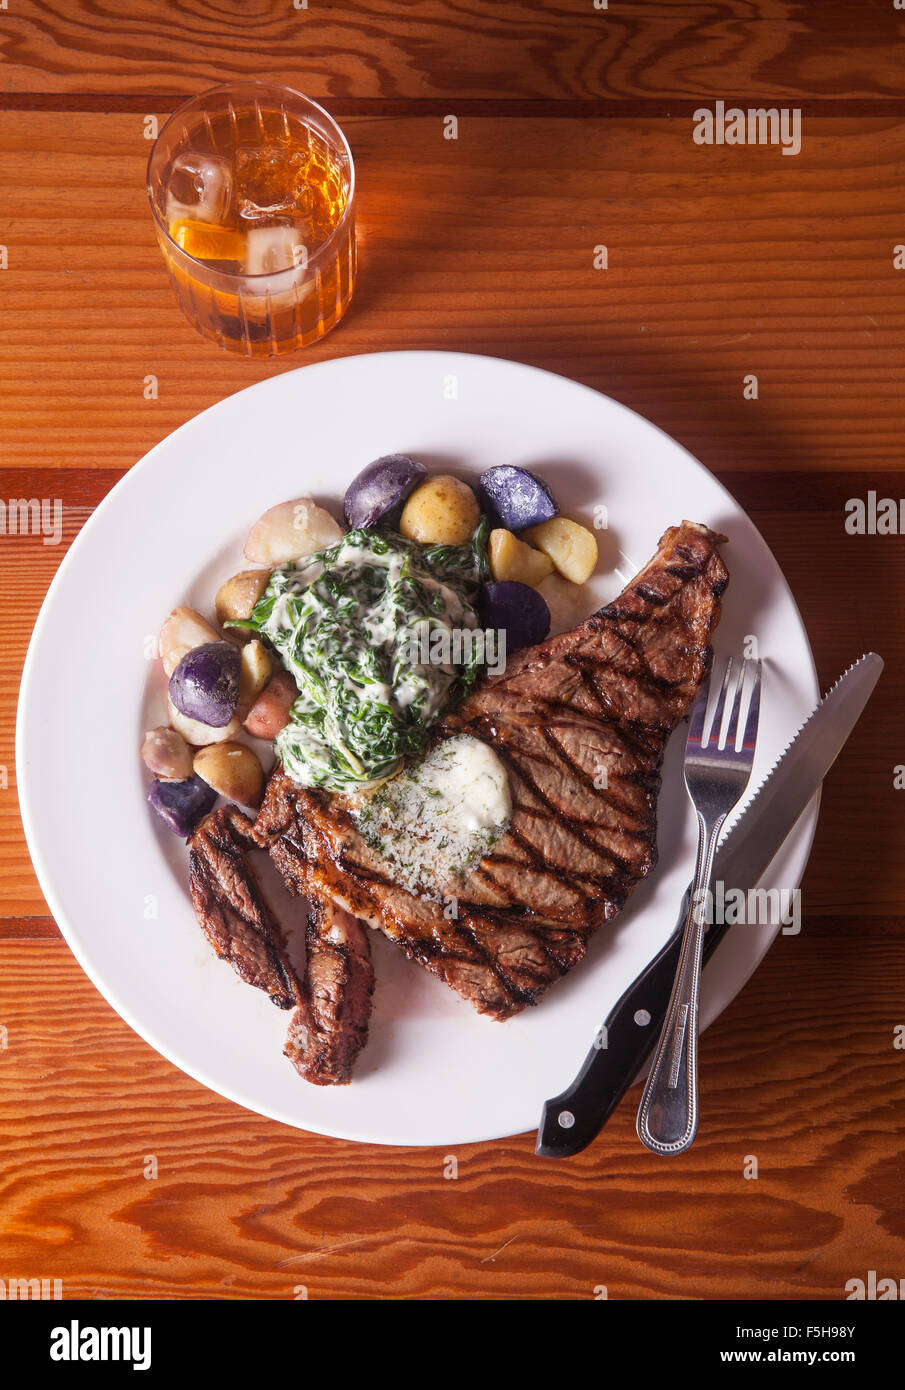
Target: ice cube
(271, 249)
(270, 181)
(304, 200)
(199, 187)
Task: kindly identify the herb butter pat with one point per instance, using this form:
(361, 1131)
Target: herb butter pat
(435, 821)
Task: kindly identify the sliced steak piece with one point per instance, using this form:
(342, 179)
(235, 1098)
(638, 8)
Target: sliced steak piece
(330, 1026)
(229, 906)
(581, 722)
(333, 1000)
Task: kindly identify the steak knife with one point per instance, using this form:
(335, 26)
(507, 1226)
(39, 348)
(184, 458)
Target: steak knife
(570, 1121)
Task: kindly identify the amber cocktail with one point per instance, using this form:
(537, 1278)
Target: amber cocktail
(252, 188)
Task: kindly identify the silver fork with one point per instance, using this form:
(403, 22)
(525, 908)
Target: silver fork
(716, 774)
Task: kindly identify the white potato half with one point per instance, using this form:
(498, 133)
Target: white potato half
(290, 531)
(183, 630)
(232, 770)
(197, 734)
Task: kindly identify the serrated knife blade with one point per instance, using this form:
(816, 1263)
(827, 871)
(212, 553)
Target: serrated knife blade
(760, 831)
(570, 1121)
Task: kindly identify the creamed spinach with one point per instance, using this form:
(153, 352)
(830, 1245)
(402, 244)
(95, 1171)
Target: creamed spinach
(352, 624)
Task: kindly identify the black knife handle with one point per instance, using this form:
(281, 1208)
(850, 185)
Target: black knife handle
(632, 1028)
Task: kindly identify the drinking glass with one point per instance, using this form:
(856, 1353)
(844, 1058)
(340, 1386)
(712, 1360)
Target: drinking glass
(252, 187)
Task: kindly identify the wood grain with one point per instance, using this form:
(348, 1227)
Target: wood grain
(812, 306)
(245, 1208)
(648, 49)
(722, 263)
(574, 132)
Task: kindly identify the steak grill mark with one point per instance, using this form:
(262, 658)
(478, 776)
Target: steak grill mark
(612, 690)
(619, 683)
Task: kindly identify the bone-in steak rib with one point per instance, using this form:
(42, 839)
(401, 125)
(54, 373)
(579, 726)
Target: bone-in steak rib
(581, 723)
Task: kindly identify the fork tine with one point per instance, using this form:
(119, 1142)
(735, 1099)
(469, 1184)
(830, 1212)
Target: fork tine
(753, 719)
(732, 726)
(716, 724)
(698, 715)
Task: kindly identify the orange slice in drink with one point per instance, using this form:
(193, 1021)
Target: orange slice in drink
(208, 242)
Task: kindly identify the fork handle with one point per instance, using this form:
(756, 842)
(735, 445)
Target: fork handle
(668, 1114)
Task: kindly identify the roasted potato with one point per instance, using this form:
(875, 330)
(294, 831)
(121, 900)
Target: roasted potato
(196, 733)
(516, 609)
(238, 596)
(511, 558)
(183, 630)
(572, 548)
(205, 684)
(515, 498)
(232, 770)
(256, 670)
(181, 805)
(291, 531)
(376, 495)
(167, 755)
(442, 511)
(270, 711)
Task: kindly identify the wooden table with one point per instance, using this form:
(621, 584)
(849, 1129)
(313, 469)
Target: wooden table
(575, 131)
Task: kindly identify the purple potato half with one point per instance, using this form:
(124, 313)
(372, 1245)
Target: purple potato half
(515, 498)
(516, 609)
(205, 684)
(182, 804)
(379, 490)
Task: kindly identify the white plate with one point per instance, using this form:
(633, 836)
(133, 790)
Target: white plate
(433, 1071)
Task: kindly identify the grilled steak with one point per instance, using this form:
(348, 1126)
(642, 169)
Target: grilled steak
(228, 904)
(581, 723)
(330, 1026)
(333, 1000)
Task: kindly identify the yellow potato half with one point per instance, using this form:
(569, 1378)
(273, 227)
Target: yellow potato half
(511, 558)
(442, 511)
(254, 673)
(572, 548)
